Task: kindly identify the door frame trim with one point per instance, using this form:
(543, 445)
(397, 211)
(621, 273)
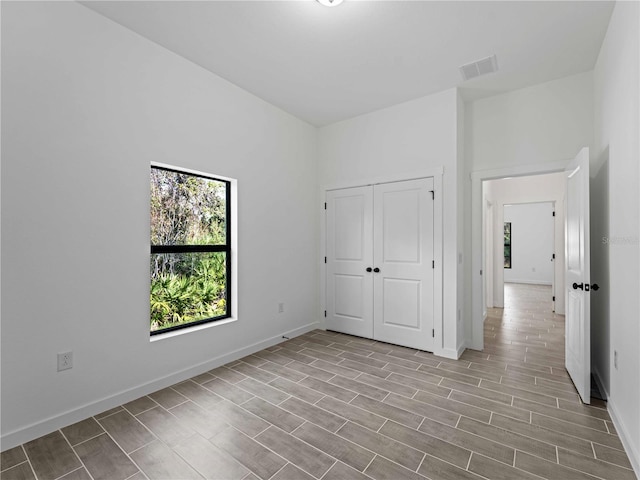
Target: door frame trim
(435, 173)
(364, 182)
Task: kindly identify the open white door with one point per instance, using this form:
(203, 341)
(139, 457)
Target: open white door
(577, 275)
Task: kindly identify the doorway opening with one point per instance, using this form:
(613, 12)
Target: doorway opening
(576, 261)
(523, 230)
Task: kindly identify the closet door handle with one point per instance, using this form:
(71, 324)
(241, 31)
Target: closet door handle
(376, 269)
(369, 269)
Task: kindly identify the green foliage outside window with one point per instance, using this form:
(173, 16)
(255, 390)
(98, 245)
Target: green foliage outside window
(507, 244)
(188, 217)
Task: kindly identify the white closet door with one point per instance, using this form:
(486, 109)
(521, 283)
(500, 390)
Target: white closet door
(403, 253)
(349, 254)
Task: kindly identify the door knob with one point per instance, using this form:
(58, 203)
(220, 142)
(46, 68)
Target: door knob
(376, 269)
(578, 286)
(369, 269)
(595, 287)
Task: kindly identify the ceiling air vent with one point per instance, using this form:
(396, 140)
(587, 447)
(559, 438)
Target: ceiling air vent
(479, 67)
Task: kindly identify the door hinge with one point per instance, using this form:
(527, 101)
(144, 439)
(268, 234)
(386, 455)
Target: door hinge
(433, 264)
(325, 313)
(325, 259)
(554, 214)
(325, 205)
(553, 256)
(433, 194)
(480, 272)
(433, 333)
(554, 298)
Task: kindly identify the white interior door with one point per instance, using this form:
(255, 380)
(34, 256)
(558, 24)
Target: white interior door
(577, 275)
(403, 254)
(554, 285)
(349, 255)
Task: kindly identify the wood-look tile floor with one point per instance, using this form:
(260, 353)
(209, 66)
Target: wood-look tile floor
(335, 407)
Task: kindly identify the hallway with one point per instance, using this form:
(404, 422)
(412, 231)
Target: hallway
(526, 339)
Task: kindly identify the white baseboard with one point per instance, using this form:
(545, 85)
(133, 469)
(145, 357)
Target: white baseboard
(451, 353)
(632, 451)
(473, 346)
(51, 424)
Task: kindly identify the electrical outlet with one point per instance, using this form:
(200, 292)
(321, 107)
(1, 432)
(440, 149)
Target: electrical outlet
(280, 307)
(65, 361)
(615, 359)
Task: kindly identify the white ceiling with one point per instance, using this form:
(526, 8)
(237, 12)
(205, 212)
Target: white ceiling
(324, 64)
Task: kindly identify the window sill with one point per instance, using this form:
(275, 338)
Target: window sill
(186, 330)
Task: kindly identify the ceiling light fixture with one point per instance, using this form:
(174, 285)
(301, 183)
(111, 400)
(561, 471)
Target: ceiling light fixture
(330, 3)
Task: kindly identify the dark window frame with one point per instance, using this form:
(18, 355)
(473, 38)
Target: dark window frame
(507, 244)
(155, 249)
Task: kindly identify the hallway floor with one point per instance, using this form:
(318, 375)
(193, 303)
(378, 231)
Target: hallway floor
(335, 407)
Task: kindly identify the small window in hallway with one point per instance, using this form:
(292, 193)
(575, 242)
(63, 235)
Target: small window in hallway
(507, 244)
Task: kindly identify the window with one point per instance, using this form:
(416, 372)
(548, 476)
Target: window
(190, 249)
(507, 244)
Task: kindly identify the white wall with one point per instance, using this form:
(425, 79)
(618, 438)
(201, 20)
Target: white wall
(532, 243)
(405, 139)
(527, 190)
(86, 106)
(544, 123)
(615, 166)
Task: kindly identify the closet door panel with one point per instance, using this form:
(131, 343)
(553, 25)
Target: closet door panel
(401, 302)
(349, 254)
(403, 253)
